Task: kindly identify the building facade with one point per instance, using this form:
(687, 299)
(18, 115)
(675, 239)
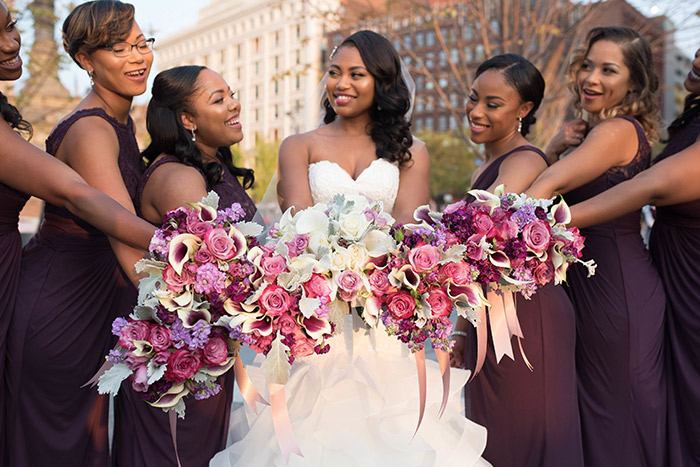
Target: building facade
(270, 51)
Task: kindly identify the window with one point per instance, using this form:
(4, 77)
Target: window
(442, 123)
(430, 38)
(428, 123)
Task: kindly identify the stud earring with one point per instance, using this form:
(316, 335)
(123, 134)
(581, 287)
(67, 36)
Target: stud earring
(520, 125)
(194, 138)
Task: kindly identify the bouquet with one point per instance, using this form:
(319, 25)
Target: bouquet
(177, 341)
(311, 266)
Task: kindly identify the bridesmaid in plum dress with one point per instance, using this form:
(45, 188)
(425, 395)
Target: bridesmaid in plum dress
(193, 118)
(71, 284)
(671, 185)
(531, 416)
(620, 310)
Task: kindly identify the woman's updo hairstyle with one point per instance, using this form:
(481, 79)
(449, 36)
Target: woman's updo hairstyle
(172, 95)
(92, 25)
(641, 102)
(522, 76)
(390, 131)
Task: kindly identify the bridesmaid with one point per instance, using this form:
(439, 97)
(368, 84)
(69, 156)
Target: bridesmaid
(620, 310)
(193, 118)
(27, 170)
(532, 417)
(671, 184)
(71, 286)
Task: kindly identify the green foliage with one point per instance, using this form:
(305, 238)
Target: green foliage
(452, 163)
(262, 159)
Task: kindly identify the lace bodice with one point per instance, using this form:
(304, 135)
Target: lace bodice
(379, 181)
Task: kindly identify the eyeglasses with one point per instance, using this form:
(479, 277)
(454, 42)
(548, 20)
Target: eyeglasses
(123, 49)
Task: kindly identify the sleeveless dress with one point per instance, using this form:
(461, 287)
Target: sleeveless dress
(142, 433)
(619, 333)
(71, 289)
(532, 416)
(358, 404)
(11, 203)
(674, 246)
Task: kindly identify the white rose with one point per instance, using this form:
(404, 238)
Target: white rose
(339, 258)
(353, 225)
(357, 256)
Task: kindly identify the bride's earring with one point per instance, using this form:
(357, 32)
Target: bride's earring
(194, 138)
(520, 125)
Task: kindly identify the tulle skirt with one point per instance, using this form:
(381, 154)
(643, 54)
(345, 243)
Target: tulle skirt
(358, 406)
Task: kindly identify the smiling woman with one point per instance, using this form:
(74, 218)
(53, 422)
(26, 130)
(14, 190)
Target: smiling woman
(193, 118)
(70, 275)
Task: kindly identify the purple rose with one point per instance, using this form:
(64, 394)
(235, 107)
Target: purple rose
(139, 380)
(544, 273)
(482, 223)
(133, 362)
(134, 331)
(298, 245)
(203, 255)
(215, 351)
(182, 365)
(159, 337)
(161, 358)
(536, 236)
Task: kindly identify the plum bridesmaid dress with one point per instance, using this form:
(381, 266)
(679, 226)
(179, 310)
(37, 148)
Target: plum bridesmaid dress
(142, 433)
(674, 245)
(619, 333)
(532, 417)
(71, 289)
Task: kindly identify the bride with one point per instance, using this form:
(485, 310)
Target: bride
(358, 404)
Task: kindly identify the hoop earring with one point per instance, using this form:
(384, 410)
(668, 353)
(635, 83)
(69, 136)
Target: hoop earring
(520, 125)
(90, 74)
(194, 138)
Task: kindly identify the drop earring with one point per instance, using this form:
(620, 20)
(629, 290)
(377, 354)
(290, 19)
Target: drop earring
(90, 73)
(194, 138)
(520, 125)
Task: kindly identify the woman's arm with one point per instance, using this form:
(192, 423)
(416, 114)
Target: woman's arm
(671, 181)
(518, 171)
(100, 168)
(571, 134)
(170, 186)
(32, 171)
(414, 184)
(611, 143)
(293, 174)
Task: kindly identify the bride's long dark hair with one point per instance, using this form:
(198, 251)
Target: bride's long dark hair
(390, 131)
(173, 91)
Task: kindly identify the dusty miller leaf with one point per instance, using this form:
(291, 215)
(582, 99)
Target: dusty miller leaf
(111, 380)
(276, 366)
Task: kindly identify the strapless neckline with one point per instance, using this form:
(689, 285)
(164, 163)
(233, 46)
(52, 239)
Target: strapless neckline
(336, 165)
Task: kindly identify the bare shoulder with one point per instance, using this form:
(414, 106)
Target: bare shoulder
(419, 153)
(175, 174)
(612, 129)
(91, 130)
(296, 147)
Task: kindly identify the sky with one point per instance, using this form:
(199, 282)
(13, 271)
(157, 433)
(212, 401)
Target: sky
(162, 18)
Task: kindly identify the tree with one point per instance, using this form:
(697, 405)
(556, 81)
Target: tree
(263, 159)
(451, 164)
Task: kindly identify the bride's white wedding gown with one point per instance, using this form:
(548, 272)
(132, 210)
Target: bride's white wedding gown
(358, 404)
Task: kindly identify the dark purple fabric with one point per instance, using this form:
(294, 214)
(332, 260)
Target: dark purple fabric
(142, 433)
(11, 203)
(71, 288)
(675, 247)
(531, 416)
(619, 333)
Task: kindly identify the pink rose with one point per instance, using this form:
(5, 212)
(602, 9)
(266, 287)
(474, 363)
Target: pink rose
(196, 226)
(220, 244)
(401, 304)
(176, 282)
(579, 239)
(302, 347)
(287, 324)
(161, 358)
(482, 223)
(504, 228)
(379, 282)
(215, 351)
(203, 255)
(440, 303)
(349, 281)
(133, 362)
(139, 381)
(423, 258)
(298, 245)
(182, 365)
(261, 344)
(273, 266)
(133, 331)
(459, 272)
(159, 337)
(317, 286)
(544, 273)
(275, 300)
(536, 235)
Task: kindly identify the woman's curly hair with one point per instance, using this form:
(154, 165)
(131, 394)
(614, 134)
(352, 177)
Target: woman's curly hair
(691, 110)
(641, 102)
(92, 25)
(389, 130)
(12, 116)
(172, 93)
